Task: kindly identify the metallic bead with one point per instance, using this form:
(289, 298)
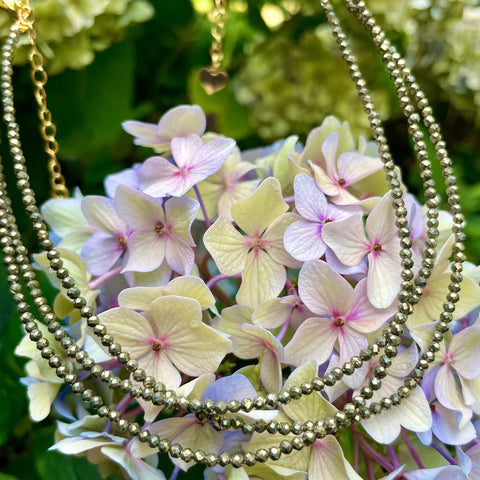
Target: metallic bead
(261, 455)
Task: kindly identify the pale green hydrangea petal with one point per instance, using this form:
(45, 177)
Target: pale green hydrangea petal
(254, 214)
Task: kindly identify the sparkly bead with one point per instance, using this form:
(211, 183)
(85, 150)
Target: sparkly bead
(164, 446)
(134, 429)
(247, 404)
(122, 425)
(153, 441)
(272, 426)
(187, 455)
(297, 443)
(259, 402)
(261, 455)
(199, 456)
(295, 392)
(285, 446)
(317, 384)
(237, 460)
(211, 460)
(274, 453)
(284, 428)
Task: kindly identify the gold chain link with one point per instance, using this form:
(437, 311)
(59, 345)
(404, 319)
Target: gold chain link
(212, 77)
(219, 18)
(48, 129)
(25, 22)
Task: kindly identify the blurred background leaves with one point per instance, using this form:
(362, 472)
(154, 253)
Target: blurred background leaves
(113, 60)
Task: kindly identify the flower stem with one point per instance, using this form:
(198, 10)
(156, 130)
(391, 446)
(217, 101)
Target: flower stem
(97, 282)
(370, 472)
(356, 454)
(219, 278)
(291, 290)
(123, 404)
(444, 453)
(411, 449)
(374, 455)
(175, 473)
(202, 264)
(202, 206)
(133, 413)
(393, 456)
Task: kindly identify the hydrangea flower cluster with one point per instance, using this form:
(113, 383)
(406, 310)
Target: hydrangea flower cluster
(229, 274)
(72, 32)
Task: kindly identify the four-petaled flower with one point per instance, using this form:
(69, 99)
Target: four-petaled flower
(194, 162)
(171, 337)
(381, 245)
(259, 255)
(344, 317)
(303, 238)
(158, 233)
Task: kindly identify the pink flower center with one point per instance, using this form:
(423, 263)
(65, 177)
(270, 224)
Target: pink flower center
(339, 321)
(161, 229)
(122, 241)
(448, 358)
(376, 247)
(341, 182)
(159, 344)
(183, 172)
(256, 243)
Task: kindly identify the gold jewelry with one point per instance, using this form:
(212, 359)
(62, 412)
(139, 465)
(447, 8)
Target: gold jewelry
(213, 78)
(25, 19)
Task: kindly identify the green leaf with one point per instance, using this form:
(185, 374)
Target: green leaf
(88, 106)
(230, 118)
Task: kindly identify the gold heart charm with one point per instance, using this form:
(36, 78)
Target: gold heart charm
(213, 81)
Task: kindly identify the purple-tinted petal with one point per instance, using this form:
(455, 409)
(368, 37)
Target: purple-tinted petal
(329, 150)
(464, 347)
(445, 427)
(101, 214)
(179, 255)
(127, 177)
(359, 270)
(140, 211)
(146, 251)
(145, 133)
(310, 202)
(100, 253)
(302, 240)
(448, 393)
(314, 339)
(323, 290)
(380, 223)
(347, 239)
(181, 121)
(364, 317)
(229, 388)
(383, 278)
(353, 166)
(212, 156)
(185, 149)
(159, 178)
(350, 342)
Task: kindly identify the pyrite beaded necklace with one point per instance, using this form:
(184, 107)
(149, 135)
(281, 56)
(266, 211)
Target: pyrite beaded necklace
(16, 259)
